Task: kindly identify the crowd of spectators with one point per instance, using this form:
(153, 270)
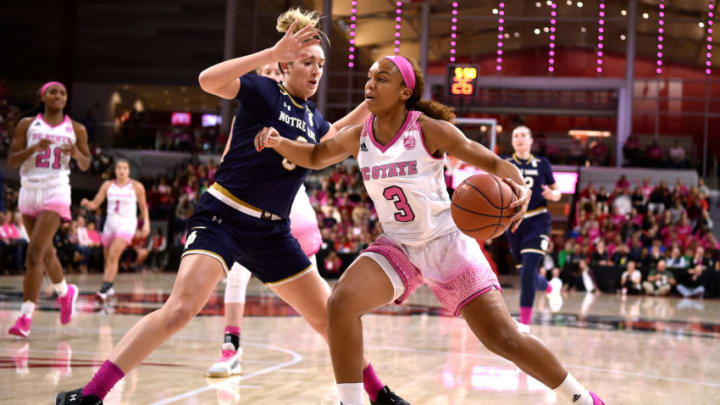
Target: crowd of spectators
(648, 239)
(596, 152)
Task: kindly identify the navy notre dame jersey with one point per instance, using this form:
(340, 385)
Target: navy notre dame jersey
(265, 179)
(537, 172)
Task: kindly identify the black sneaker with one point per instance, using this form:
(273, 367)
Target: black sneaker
(76, 398)
(387, 397)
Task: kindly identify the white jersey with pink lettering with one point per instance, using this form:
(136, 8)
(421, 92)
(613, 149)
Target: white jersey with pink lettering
(49, 167)
(406, 184)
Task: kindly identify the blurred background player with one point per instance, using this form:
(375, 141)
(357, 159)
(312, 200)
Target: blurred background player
(529, 243)
(303, 226)
(123, 196)
(43, 146)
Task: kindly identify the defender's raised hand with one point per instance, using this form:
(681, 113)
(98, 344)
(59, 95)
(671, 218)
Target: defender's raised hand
(293, 45)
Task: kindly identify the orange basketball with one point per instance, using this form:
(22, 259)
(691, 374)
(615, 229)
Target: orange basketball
(481, 206)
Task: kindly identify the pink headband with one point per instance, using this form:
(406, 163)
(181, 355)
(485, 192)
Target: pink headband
(48, 84)
(405, 68)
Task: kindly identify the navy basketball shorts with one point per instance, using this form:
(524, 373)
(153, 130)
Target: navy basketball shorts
(532, 236)
(266, 248)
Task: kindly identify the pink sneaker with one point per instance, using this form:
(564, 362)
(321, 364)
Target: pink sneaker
(21, 327)
(67, 304)
(596, 399)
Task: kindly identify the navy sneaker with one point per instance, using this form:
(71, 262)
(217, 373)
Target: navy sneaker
(387, 397)
(76, 398)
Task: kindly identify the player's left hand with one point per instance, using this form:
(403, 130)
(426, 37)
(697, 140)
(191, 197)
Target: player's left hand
(145, 231)
(548, 193)
(522, 194)
(71, 150)
(267, 137)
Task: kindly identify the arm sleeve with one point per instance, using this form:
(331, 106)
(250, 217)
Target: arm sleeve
(549, 178)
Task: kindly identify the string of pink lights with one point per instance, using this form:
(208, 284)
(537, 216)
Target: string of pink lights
(601, 36)
(453, 28)
(353, 26)
(553, 21)
(660, 38)
(501, 21)
(398, 25)
(708, 54)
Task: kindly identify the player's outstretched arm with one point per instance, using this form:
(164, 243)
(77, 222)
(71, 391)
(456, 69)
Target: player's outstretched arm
(223, 80)
(355, 117)
(99, 197)
(318, 156)
(444, 136)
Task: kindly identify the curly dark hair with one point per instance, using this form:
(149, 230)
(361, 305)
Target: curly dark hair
(431, 108)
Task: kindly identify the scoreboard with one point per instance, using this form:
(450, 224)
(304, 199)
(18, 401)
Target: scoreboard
(461, 80)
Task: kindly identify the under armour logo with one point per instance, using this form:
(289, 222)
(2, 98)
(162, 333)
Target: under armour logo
(73, 397)
(363, 148)
(216, 219)
(576, 397)
(37, 123)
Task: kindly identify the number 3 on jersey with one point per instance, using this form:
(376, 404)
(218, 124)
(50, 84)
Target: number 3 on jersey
(397, 195)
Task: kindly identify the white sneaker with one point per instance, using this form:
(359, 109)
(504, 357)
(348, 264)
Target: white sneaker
(229, 364)
(103, 296)
(523, 328)
(555, 298)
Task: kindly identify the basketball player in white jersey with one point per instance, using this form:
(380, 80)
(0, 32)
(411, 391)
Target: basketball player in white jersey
(123, 195)
(400, 151)
(303, 226)
(43, 146)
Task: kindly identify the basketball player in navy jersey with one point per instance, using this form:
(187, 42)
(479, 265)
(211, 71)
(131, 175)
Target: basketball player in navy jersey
(529, 242)
(243, 217)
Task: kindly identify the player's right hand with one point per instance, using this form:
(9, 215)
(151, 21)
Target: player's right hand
(85, 203)
(43, 144)
(268, 137)
(293, 46)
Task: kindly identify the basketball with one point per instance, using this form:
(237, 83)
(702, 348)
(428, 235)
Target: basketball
(481, 206)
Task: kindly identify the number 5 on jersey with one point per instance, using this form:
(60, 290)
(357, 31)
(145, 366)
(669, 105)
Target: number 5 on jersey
(397, 195)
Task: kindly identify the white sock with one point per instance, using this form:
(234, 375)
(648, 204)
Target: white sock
(572, 389)
(61, 288)
(27, 308)
(351, 394)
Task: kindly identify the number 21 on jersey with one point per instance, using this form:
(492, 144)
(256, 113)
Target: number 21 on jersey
(44, 156)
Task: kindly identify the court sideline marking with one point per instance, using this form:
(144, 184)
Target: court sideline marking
(296, 358)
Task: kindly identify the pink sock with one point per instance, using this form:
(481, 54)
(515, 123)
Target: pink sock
(549, 289)
(525, 315)
(233, 330)
(371, 382)
(104, 380)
